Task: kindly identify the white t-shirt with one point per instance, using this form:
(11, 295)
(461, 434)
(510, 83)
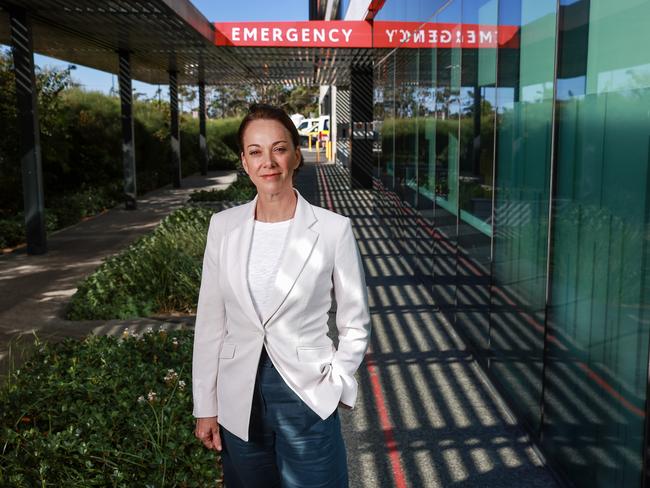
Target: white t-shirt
(265, 253)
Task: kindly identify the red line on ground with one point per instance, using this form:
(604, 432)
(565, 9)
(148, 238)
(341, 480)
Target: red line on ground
(377, 392)
(386, 425)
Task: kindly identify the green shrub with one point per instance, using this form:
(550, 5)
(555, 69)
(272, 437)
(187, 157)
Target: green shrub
(70, 209)
(225, 130)
(104, 411)
(12, 232)
(158, 273)
(63, 211)
(221, 156)
(81, 144)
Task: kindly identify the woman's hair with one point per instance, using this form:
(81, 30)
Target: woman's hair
(262, 111)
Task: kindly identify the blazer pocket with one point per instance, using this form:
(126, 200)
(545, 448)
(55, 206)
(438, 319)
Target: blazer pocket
(313, 354)
(227, 350)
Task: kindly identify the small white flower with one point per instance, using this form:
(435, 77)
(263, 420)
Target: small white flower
(152, 396)
(175, 341)
(148, 330)
(181, 385)
(125, 333)
(171, 375)
(141, 399)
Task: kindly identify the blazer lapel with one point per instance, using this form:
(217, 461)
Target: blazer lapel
(239, 243)
(299, 244)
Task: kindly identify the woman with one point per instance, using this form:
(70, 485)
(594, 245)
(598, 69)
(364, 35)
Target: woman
(267, 380)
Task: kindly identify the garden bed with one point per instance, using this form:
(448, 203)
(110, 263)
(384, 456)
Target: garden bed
(104, 411)
(158, 274)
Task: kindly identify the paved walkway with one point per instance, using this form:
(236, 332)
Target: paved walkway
(35, 289)
(425, 416)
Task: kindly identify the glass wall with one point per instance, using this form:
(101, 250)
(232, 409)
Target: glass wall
(597, 370)
(520, 179)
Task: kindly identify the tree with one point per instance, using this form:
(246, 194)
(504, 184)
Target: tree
(229, 100)
(272, 94)
(303, 100)
(233, 101)
(187, 94)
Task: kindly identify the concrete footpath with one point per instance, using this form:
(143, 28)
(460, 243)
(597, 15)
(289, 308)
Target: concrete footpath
(426, 416)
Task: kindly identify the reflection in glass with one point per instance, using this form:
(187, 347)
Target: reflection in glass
(597, 369)
(480, 147)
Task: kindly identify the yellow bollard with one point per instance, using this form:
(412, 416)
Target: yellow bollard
(309, 137)
(317, 151)
(329, 150)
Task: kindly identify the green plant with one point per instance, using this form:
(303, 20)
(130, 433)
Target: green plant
(12, 232)
(221, 156)
(104, 411)
(158, 273)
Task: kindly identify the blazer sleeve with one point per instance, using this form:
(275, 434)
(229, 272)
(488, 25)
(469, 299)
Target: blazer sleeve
(209, 329)
(352, 314)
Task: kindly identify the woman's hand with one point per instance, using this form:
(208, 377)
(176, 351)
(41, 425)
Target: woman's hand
(347, 407)
(207, 430)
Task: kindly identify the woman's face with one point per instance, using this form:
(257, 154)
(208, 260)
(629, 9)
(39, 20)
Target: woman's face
(269, 156)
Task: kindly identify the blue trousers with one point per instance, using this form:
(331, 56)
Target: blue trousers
(289, 445)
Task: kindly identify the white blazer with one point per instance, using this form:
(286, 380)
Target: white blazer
(321, 256)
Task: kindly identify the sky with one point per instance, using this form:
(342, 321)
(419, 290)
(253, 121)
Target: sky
(213, 10)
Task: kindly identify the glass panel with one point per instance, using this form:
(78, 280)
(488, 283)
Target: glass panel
(524, 124)
(477, 105)
(426, 159)
(446, 177)
(597, 364)
(406, 84)
(385, 119)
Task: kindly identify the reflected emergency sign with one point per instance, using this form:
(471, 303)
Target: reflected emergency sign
(364, 34)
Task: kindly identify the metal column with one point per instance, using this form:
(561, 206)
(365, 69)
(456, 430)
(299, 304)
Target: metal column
(343, 127)
(361, 161)
(175, 131)
(203, 141)
(128, 146)
(30, 144)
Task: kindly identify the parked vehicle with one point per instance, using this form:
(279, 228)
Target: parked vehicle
(321, 130)
(297, 119)
(305, 127)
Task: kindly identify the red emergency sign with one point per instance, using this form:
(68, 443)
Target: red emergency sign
(364, 34)
(314, 33)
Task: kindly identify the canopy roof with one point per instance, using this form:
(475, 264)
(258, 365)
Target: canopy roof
(164, 35)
